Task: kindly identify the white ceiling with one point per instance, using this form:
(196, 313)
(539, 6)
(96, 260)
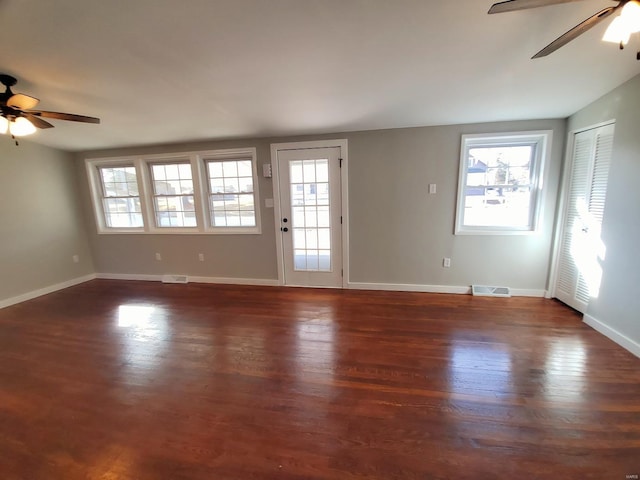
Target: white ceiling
(162, 71)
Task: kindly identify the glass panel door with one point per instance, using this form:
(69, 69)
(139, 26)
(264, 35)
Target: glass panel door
(310, 223)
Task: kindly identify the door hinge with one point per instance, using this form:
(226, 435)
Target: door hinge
(340, 219)
(342, 272)
(340, 163)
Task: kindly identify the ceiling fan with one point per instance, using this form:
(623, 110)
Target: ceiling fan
(618, 32)
(17, 116)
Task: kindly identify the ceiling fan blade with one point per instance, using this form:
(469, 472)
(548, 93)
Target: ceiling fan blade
(66, 116)
(512, 5)
(37, 121)
(577, 31)
(22, 102)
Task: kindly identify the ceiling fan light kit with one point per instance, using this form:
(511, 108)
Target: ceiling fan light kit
(18, 127)
(624, 25)
(619, 31)
(18, 118)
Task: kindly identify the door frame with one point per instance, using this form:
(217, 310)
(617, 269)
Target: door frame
(561, 208)
(344, 184)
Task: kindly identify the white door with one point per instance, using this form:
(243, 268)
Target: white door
(310, 216)
(581, 248)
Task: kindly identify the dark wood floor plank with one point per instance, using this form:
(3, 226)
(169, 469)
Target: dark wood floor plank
(135, 380)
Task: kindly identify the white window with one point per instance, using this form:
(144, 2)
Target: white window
(120, 197)
(197, 192)
(499, 188)
(231, 193)
(115, 190)
(173, 194)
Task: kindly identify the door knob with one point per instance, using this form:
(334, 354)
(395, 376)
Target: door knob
(284, 229)
(284, 220)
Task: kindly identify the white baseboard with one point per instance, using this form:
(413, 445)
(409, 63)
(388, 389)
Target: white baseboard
(528, 292)
(408, 287)
(192, 279)
(129, 276)
(613, 334)
(411, 287)
(237, 281)
(45, 291)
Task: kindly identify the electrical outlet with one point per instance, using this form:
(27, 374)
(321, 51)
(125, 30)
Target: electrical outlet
(446, 262)
(158, 256)
(201, 257)
(76, 258)
(432, 188)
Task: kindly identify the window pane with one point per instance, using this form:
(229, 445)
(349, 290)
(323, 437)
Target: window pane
(246, 202)
(230, 169)
(185, 171)
(295, 171)
(324, 238)
(498, 207)
(132, 188)
(231, 185)
(500, 177)
(233, 219)
(216, 185)
(248, 219)
(300, 259)
(299, 238)
(186, 186)
(245, 184)
(171, 172)
(158, 172)
(309, 171)
(215, 169)
(297, 194)
(312, 238)
(297, 219)
(323, 217)
(311, 216)
(244, 168)
(322, 170)
(231, 202)
(323, 194)
(324, 260)
(312, 260)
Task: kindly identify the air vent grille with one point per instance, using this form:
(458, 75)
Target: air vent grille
(175, 279)
(487, 291)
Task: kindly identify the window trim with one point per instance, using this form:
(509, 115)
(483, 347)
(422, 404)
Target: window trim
(542, 139)
(142, 164)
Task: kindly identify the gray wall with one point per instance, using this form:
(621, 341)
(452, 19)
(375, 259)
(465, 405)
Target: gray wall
(398, 232)
(41, 222)
(618, 302)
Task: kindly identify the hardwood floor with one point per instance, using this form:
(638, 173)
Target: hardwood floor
(133, 380)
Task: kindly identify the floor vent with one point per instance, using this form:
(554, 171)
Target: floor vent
(175, 279)
(486, 291)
